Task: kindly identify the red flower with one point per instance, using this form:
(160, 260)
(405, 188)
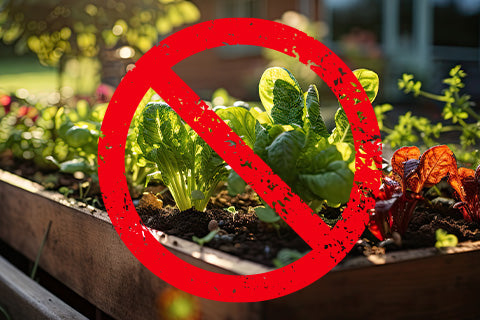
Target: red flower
(6, 102)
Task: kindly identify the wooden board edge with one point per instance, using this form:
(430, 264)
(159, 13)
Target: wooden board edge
(23, 298)
(225, 261)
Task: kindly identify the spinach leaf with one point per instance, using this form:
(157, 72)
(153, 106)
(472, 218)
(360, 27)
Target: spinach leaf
(282, 97)
(241, 119)
(296, 143)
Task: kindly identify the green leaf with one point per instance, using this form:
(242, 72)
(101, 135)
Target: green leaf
(369, 81)
(287, 256)
(342, 131)
(264, 136)
(282, 97)
(221, 98)
(78, 136)
(334, 185)
(267, 214)
(82, 110)
(260, 116)
(283, 152)
(209, 237)
(444, 239)
(347, 150)
(314, 119)
(72, 166)
(241, 121)
(235, 184)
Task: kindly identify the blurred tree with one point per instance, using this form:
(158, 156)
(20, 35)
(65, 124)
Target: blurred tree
(59, 29)
(315, 29)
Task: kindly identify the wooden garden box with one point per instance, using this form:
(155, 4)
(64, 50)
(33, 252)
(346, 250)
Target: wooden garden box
(84, 252)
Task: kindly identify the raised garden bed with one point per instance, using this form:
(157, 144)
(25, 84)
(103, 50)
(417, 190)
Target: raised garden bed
(23, 298)
(84, 252)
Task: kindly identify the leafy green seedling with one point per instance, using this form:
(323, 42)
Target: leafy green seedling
(233, 211)
(445, 239)
(287, 256)
(65, 191)
(209, 237)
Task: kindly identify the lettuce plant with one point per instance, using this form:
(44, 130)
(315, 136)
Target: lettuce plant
(185, 163)
(292, 138)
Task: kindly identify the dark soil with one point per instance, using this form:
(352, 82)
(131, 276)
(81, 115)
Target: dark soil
(251, 239)
(436, 212)
(428, 219)
(51, 179)
(241, 234)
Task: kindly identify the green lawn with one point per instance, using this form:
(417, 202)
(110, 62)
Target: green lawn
(28, 73)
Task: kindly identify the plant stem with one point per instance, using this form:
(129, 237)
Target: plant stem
(5, 313)
(39, 254)
(345, 133)
(451, 128)
(435, 96)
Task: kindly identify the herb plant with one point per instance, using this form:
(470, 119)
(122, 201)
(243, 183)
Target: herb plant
(458, 115)
(185, 163)
(292, 138)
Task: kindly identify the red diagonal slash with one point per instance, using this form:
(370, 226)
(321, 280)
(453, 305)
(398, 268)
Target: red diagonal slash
(241, 158)
(153, 70)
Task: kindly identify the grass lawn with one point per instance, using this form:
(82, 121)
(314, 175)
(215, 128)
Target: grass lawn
(28, 73)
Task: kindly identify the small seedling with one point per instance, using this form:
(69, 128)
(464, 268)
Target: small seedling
(65, 191)
(209, 237)
(287, 256)
(444, 239)
(233, 211)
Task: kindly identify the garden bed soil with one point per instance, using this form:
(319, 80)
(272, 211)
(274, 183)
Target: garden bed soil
(108, 275)
(245, 236)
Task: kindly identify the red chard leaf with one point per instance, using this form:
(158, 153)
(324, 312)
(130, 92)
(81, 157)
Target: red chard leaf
(401, 156)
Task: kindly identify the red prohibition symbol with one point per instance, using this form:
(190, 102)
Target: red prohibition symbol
(154, 70)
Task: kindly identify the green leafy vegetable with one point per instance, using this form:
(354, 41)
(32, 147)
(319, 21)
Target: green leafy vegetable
(185, 163)
(267, 214)
(296, 144)
(242, 119)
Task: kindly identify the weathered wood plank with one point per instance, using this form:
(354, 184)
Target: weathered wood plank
(85, 253)
(438, 287)
(23, 298)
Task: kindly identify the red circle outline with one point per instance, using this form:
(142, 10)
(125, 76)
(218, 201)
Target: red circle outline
(153, 70)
